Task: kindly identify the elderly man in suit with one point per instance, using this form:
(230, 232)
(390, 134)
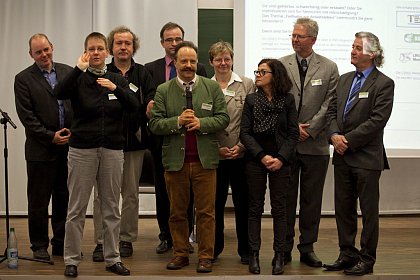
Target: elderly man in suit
(46, 121)
(314, 82)
(188, 111)
(162, 70)
(358, 116)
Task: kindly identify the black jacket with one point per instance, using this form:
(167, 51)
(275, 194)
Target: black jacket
(146, 89)
(286, 136)
(98, 112)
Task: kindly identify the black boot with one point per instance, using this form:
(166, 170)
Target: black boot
(254, 262)
(278, 263)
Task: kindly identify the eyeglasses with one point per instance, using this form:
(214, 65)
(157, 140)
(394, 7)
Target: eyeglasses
(219, 60)
(261, 72)
(171, 40)
(299, 37)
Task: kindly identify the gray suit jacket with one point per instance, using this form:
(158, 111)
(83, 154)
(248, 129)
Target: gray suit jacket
(319, 87)
(365, 121)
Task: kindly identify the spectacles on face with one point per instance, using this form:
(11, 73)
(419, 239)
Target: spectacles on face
(261, 72)
(299, 37)
(220, 60)
(171, 40)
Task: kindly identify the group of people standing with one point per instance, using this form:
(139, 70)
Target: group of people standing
(89, 126)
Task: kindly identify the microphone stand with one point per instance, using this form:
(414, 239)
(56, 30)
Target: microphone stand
(4, 120)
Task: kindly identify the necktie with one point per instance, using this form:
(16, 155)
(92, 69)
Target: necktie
(354, 91)
(172, 73)
(61, 112)
(304, 64)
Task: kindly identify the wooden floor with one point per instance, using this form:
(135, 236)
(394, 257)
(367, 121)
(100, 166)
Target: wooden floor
(398, 253)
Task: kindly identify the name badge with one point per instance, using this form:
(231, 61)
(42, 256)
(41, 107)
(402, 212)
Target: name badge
(111, 96)
(206, 106)
(363, 94)
(133, 87)
(230, 93)
(316, 82)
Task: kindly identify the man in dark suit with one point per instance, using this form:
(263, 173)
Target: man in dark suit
(163, 70)
(358, 116)
(314, 81)
(46, 121)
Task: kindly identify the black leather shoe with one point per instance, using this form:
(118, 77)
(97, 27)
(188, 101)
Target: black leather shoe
(98, 253)
(41, 254)
(361, 268)
(70, 271)
(118, 268)
(310, 259)
(163, 247)
(287, 257)
(126, 249)
(340, 264)
(254, 262)
(278, 263)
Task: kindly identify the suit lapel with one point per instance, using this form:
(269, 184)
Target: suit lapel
(370, 80)
(341, 101)
(313, 67)
(294, 70)
(37, 74)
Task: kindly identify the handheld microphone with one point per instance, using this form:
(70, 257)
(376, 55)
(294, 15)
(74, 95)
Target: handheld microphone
(188, 96)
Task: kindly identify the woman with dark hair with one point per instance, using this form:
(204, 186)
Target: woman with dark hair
(269, 132)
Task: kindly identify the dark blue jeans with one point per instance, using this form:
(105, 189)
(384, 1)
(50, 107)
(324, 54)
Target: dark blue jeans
(256, 174)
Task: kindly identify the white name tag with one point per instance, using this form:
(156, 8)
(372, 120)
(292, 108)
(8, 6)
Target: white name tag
(206, 106)
(316, 82)
(133, 87)
(229, 93)
(111, 96)
(363, 94)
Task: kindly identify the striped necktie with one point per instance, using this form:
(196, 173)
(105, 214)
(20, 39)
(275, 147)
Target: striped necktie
(354, 91)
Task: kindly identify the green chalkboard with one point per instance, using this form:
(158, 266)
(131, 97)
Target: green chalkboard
(213, 25)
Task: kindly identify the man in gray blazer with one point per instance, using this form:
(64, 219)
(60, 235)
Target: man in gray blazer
(314, 82)
(358, 115)
(46, 123)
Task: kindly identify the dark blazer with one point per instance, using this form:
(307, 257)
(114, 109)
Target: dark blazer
(365, 122)
(287, 134)
(37, 109)
(158, 70)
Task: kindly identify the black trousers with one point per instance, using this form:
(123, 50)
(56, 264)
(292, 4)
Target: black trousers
(256, 174)
(351, 184)
(307, 178)
(47, 180)
(161, 194)
(232, 172)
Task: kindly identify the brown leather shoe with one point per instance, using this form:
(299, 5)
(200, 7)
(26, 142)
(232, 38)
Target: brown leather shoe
(178, 263)
(204, 265)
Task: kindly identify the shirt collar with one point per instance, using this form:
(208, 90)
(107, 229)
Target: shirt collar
(168, 60)
(233, 78)
(184, 84)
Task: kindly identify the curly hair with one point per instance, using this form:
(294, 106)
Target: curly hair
(281, 82)
(371, 44)
(122, 29)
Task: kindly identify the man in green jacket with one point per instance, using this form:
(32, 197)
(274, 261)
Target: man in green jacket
(188, 111)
